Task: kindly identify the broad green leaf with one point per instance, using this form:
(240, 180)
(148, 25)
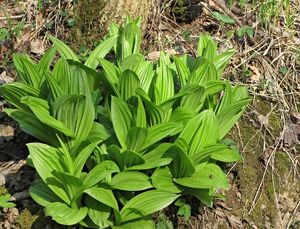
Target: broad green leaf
(183, 72)
(13, 93)
(200, 131)
(202, 44)
(71, 184)
(223, 17)
(32, 126)
(155, 158)
(130, 181)
(203, 72)
(162, 180)
(98, 132)
(182, 115)
(63, 49)
(146, 203)
(100, 172)
(82, 157)
(77, 112)
(226, 155)
(55, 90)
(141, 119)
(209, 176)
(100, 51)
(131, 158)
(98, 212)
(230, 115)
(47, 159)
(145, 74)
(145, 224)
(127, 85)
(40, 109)
(163, 85)
(63, 214)
(161, 131)
(194, 101)
(46, 60)
(104, 196)
(201, 194)
(27, 71)
(222, 60)
(121, 118)
(182, 165)
(136, 138)
(132, 62)
(110, 75)
(42, 194)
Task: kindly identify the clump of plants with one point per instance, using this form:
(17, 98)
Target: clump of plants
(123, 139)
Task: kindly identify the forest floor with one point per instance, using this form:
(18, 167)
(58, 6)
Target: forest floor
(265, 187)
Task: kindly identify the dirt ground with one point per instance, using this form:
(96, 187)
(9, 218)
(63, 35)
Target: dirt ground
(265, 187)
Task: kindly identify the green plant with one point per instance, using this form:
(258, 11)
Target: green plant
(125, 138)
(184, 209)
(5, 201)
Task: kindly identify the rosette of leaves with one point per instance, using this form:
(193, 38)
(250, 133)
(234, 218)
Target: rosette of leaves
(124, 138)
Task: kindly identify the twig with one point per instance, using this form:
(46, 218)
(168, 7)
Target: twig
(12, 17)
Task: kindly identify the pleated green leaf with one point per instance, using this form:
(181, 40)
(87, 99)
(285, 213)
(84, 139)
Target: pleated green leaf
(145, 224)
(104, 196)
(127, 85)
(63, 214)
(100, 172)
(63, 49)
(162, 179)
(121, 118)
(47, 159)
(130, 181)
(46, 60)
(209, 176)
(100, 51)
(146, 203)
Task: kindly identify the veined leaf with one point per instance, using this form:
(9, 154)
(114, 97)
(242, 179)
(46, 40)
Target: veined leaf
(41, 194)
(27, 71)
(104, 196)
(182, 165)
(201, 194)
(100, 51)
(145, 224)
(141, 119)
(182, 71)
(82, 157)
(130, 158)
(13, 93)
(47, 159)
(162, 180)
(63, 214)
(200, 131)
(77, 112)
(128, 83)
(155, 158)
(145, 74)
(136, 138)
(209, 176)
(99, 172)
(164, 85)
(32, 126)
(63, 49)
(46, 60)
(121, 118)
(161, 131)
(132, 62)
(41, 110)
(130, 181)
(146, 203)
(203, 72)
(98, 212)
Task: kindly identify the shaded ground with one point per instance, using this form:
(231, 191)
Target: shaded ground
(265, 187)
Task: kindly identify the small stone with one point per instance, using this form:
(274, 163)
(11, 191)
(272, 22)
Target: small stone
(4, 78)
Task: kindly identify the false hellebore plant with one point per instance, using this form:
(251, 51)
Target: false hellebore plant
(123, 139)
